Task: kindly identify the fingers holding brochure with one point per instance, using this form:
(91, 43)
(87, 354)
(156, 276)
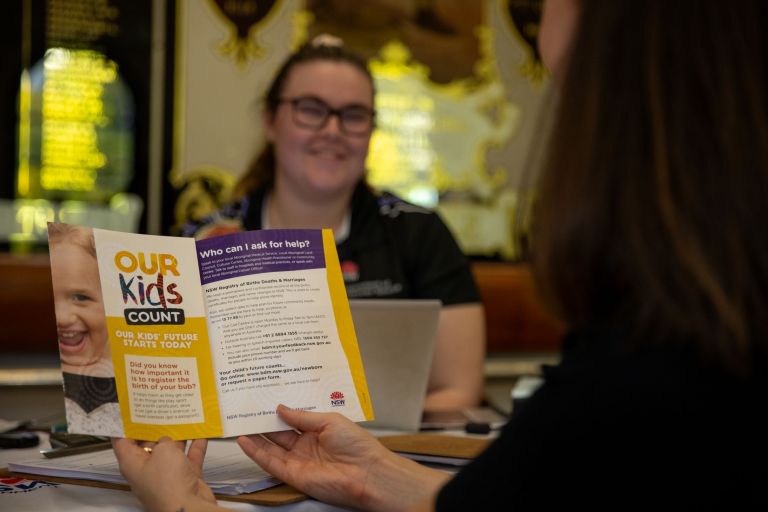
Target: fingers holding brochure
(163, 476)
(336, 461)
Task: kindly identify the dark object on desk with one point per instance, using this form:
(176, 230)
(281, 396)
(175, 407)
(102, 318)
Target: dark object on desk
(52, 453)
(71, 444)
(524, 388)
(477, 420)
(19, 440)
(63, 451)
(477, 428)
(63, 439)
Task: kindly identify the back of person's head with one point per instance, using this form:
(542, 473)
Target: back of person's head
(653, 192)
(260, 172)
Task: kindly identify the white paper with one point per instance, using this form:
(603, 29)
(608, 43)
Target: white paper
(227, 470)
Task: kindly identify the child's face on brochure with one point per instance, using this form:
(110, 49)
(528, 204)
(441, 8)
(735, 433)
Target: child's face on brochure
(80, 319)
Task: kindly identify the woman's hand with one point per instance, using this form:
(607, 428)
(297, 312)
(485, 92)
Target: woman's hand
(336, 461)
(163, 477)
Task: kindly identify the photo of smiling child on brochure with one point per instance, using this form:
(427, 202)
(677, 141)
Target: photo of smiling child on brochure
(89, 378)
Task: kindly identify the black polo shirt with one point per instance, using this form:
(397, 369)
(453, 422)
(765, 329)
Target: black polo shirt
(394, 249)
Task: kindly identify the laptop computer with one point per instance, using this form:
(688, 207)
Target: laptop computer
(396, 339)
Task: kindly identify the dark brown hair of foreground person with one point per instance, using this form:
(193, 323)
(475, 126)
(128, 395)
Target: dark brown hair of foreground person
(261, 171)
(653, 213)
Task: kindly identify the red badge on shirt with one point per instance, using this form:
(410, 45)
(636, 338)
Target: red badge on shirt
(350, 271)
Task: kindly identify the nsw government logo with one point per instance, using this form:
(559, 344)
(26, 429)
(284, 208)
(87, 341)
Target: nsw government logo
(337, 398)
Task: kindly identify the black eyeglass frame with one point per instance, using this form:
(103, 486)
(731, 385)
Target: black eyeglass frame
(330, 112)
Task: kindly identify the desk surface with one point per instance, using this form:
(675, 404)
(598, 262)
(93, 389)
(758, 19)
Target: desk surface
(32, 402)
(36, 495)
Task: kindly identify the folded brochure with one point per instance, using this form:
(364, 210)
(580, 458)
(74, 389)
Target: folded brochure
(168, 336)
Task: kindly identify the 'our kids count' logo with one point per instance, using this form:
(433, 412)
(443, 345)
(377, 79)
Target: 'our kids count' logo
(337, 398)
(144, 282)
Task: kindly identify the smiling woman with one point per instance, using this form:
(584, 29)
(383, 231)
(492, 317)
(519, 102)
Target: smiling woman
(318, 119)
(320, 130)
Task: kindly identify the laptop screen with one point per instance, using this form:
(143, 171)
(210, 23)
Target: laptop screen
(396, 339)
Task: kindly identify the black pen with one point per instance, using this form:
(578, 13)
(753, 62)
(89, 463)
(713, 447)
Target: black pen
(470, 427)
(63, 451)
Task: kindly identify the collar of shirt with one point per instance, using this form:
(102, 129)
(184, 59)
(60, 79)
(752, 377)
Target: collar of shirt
(339, 235)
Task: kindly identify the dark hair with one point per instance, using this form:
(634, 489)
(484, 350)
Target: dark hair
(653, 197)
(260, 172)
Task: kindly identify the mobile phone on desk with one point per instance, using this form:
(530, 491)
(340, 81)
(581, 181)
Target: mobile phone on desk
(473, 420)
(19, 439)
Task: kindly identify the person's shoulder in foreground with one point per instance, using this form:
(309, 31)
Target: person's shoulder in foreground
(626, 428)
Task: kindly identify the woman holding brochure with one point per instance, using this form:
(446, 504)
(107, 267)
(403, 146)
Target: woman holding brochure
(657, 165)
(318, 122)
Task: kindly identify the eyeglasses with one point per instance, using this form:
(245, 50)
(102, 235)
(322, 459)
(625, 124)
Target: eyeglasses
(313, 113)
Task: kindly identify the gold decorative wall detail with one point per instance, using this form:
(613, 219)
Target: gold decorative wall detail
(522, 18)
(432, 138)
(457, 85)
(243, 17)
(201, 192)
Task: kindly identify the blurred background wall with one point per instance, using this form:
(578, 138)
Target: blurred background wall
(138, 115)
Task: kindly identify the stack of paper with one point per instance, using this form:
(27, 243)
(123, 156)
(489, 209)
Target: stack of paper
(227, 470)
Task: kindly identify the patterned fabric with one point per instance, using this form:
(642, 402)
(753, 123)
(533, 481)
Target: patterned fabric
(91, 405)
(104, 420)
(89, 392)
